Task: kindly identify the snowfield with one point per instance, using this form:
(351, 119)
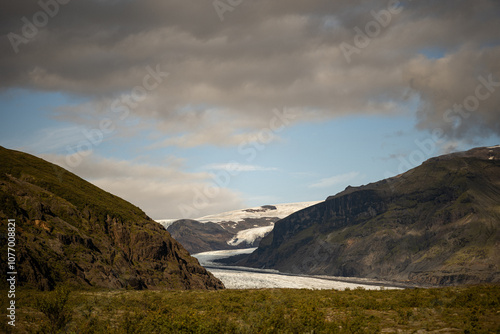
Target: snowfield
(282, 211)
(166, 222)
(249, 236)
(251, 278)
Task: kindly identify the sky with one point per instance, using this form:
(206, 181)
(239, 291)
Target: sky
(187, 108)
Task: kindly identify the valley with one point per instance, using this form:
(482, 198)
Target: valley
(252, 278)
(250, 167)
(436, 224)
(230, 230)
(364, 260)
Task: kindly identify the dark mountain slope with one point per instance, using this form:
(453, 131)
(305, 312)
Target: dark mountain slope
(437, 223)
(200, 237)
(68, 230)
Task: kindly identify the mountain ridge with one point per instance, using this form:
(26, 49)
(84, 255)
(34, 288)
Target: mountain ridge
(69, 230)
(436, 224)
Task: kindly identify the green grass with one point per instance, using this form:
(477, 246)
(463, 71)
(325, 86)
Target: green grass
(448, 310)
(56, 181)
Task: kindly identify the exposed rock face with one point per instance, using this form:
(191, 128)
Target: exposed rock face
(68, 230)
(199, 237)
(438, 224)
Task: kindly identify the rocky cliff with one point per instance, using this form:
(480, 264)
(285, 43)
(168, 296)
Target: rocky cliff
(200, 237)
(68, 230)
(437, 223)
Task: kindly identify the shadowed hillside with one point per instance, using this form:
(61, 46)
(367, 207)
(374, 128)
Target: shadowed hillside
(437, 223)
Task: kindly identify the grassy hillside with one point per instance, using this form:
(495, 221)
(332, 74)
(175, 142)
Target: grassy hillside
(70, 230)
(446, 310)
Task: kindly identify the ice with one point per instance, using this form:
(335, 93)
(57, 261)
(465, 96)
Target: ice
(249, 236)
(166, 222)
(207, 258)
(282, 211)
(233, 279)
(251, 278)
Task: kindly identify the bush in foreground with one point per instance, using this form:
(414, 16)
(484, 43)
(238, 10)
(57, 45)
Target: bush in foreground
(452, 310)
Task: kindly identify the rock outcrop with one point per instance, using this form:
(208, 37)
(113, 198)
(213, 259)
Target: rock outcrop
(199, 237)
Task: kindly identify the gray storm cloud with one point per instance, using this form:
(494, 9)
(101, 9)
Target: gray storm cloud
(460, 92)
(263, 55)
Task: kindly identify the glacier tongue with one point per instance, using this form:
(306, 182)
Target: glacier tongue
(249, 236)
(251, 278)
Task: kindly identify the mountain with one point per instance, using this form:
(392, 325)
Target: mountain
(199, 237)
(68, 230)
(437, 223)
(230, 230)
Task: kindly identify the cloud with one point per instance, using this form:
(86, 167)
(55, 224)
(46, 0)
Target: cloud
(163, 192)
(460, 92)
(230, 75)
(335, 180)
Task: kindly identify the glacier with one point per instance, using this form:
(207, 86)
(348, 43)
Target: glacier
(251, 278)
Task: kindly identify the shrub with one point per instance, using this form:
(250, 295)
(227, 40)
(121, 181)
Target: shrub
(54, 307)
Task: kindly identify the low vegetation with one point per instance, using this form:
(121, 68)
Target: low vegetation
(473, 309)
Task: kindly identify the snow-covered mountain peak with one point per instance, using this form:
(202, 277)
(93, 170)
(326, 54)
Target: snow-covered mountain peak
(229, 230)
(279, 210)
